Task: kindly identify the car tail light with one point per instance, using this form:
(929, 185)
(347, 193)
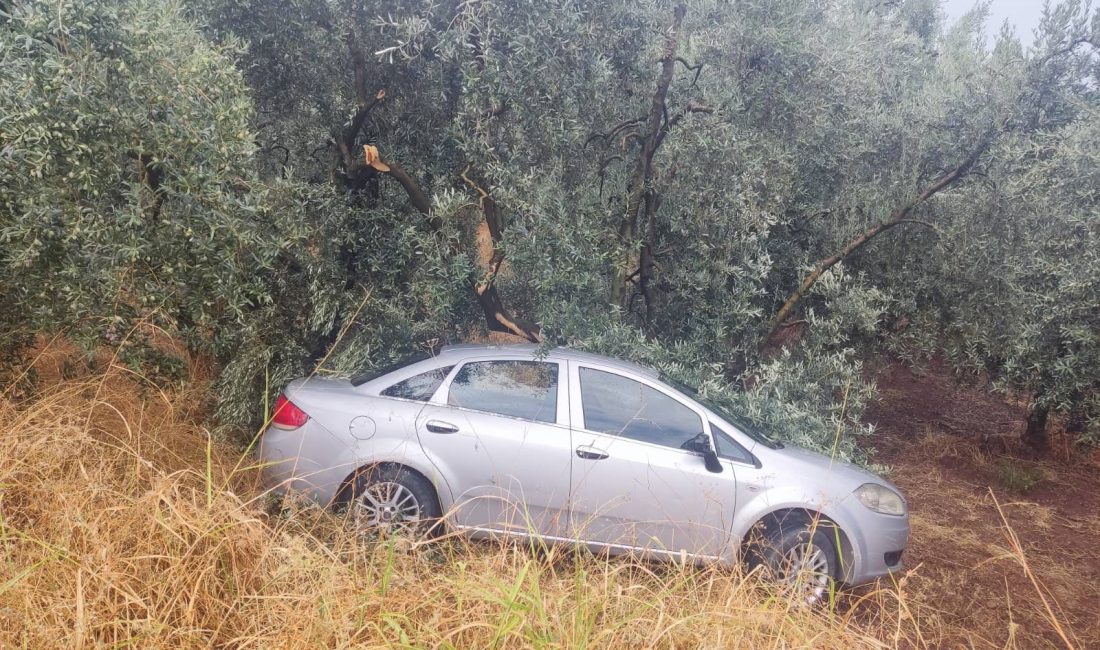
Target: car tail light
(287, 414)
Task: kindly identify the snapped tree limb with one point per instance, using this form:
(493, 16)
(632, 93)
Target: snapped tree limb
(497, 318)
(347, 138)
(897, 217)
(490, 258)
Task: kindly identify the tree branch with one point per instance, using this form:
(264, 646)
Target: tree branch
(492, 259)
(351, 132)
(697, 68)
(345, 140)
(614, 131)
(1067, 49)
(497, 317)
(150, 175)
(361, 116)
(691, 107)
(898, 216)
(417, 197)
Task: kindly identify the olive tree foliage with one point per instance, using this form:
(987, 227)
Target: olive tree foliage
(131, 204)
(122, 193)
(747, 195)
(1005, 279)
(740, 193)
(1033, 322)
(633, 178)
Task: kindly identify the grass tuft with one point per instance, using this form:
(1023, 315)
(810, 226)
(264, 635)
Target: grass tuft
(1016, 476)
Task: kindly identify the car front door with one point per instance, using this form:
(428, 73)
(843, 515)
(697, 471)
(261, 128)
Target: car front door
(498, 432)
(633, 483)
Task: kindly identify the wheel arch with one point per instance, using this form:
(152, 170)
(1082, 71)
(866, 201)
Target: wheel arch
(801, 516)
(344, 493)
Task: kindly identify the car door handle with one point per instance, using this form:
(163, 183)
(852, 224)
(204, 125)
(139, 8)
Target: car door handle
(436, 426)
(591, 453)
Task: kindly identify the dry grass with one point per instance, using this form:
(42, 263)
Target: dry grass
(996, 569)
(122, 523)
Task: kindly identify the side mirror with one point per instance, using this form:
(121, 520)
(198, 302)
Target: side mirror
(701, 445)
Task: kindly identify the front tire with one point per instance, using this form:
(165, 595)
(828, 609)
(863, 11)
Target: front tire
(803, 560)
(393, 500)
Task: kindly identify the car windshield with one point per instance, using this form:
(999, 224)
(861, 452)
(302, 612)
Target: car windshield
(723, 412)
(385, 370)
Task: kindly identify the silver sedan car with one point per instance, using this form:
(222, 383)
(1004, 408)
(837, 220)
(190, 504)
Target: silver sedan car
(567, 446)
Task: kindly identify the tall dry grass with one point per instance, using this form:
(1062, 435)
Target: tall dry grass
(123, 523)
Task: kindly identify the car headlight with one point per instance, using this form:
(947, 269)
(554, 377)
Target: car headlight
(880, 499)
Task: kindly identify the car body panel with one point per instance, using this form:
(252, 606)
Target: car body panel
(643, 496)
(518, 477)
(507, 473)
(793, 478)
(322, 455)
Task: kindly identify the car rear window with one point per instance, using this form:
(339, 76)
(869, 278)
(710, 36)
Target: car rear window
(519, 389)
(385, 370)
(419, 387)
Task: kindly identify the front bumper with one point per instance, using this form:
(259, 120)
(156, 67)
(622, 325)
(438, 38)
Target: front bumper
(881, 547)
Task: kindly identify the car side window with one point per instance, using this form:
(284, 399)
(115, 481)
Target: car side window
(726, 447)
(419, 387)
(519, 389)
(617, 405)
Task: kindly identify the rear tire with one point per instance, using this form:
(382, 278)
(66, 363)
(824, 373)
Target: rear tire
(802, 559)
(394, 500)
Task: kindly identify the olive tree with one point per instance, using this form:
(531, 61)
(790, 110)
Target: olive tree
(1003, 279)
(625, 177)
(132, 203)
(751, 196)
(122, 189)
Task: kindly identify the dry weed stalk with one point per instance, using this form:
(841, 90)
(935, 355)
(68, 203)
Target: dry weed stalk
(1016, 553)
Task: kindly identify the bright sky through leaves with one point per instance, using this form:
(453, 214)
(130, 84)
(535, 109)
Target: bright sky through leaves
(1022, 14)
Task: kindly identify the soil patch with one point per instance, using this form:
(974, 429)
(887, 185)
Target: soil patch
(953, 450)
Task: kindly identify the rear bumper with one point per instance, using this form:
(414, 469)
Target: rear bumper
(297, 461)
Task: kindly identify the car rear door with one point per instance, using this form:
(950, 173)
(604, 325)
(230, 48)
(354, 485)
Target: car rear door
(499, 433)
(632, 484)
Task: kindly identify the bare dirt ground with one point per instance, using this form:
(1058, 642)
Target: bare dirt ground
(953, 450)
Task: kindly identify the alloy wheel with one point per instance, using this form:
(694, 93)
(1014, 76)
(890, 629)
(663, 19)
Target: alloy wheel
(805, 571)
(387, 506)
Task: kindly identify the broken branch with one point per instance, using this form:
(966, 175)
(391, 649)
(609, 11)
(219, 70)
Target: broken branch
(898, 216)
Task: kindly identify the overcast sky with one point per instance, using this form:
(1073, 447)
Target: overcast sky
(1024, 14)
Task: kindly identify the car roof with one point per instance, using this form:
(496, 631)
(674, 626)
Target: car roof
(484, 350)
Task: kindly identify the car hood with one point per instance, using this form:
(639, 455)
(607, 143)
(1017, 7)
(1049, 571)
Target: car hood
(840, 472)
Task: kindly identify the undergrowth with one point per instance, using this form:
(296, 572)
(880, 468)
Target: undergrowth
(124, 522)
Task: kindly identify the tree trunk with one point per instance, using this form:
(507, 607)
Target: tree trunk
(643, 172)
(149, 177)
(497, 318)
(1035, 435)
(646, 263)
(356, 174)
(490, 258)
